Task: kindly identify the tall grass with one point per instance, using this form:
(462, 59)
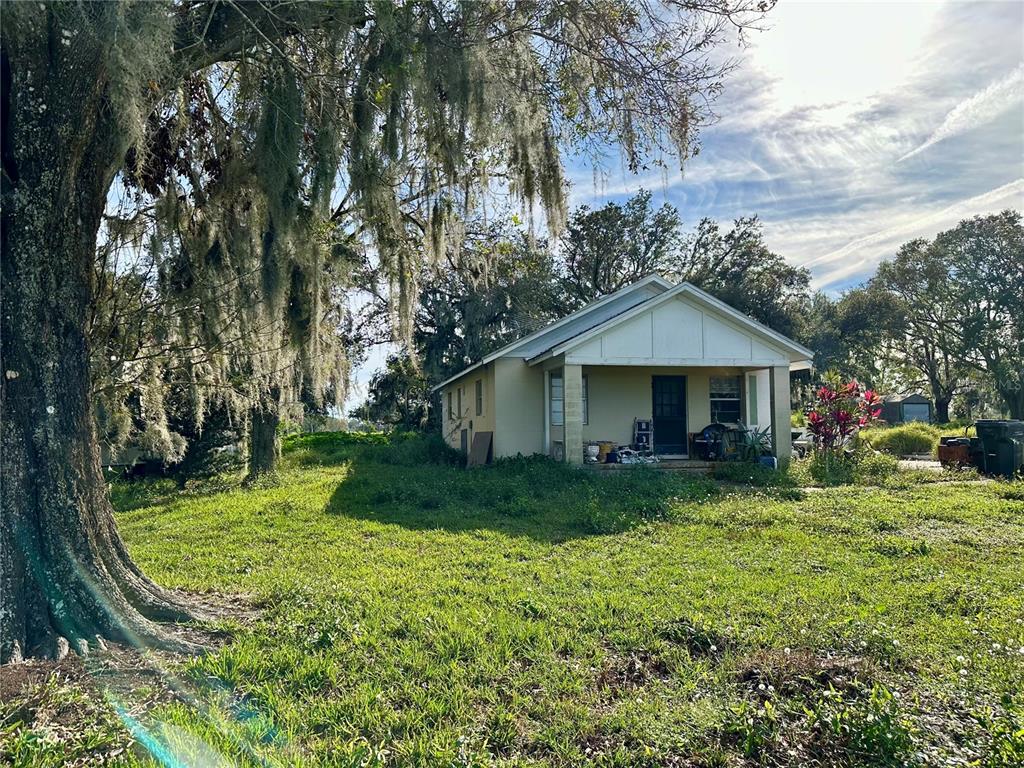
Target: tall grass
(913, 438)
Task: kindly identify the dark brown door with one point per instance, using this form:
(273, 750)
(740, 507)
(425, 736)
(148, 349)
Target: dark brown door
(669, 412)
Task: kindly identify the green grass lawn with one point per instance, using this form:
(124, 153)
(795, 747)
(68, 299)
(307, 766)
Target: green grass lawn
(415, 613)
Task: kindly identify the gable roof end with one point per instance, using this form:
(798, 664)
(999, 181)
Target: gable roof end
(798, 352)
(651, 280)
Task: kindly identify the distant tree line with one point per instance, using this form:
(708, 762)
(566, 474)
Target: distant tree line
(943, 316)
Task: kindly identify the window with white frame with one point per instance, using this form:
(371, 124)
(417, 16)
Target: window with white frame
(557, 399)
(556, 391)
(725, 399)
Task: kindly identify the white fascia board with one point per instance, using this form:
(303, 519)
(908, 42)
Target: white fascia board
(510, 348)
(681, 362)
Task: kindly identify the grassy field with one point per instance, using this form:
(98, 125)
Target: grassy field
(413, 613)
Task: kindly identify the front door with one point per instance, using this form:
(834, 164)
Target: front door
(669, 412)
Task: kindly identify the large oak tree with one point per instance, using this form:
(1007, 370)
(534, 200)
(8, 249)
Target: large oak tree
(258, 136)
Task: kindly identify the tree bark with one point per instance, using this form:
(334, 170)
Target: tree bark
(1014, 401)
(942, 409)
(66, 578)
(264, 443)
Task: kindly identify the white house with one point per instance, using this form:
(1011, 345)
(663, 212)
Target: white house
(653, 350)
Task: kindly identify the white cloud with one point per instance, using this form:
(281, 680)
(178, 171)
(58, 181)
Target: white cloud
(863, 253)
(980, 108)
(837, 53)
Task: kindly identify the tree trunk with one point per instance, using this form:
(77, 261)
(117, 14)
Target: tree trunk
(1014, 401)
(66, 579)
(942, 409)
(264, 444)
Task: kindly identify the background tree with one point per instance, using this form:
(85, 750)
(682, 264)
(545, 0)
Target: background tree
(607, 249)
(849, 335)
(234, 119)
(398, 395)
(985, 258)
(738, 268)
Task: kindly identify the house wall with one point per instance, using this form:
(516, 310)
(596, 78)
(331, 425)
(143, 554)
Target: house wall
(619, 394)
(678, 332)
(757, 398)
(519, 395)
(452, 428)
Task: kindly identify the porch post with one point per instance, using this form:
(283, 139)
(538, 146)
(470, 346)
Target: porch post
(572, 382)
(782, 439)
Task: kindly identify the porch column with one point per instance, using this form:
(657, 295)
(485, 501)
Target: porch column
(782, 439)
(572, 382)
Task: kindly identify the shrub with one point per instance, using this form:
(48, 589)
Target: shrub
(904, 439)
(838, 411)
(831, 469)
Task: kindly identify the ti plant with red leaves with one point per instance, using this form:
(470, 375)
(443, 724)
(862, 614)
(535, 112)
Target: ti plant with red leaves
(839, 410)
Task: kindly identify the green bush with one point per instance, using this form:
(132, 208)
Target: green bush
(916, 437)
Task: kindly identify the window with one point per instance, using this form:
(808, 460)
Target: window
(725, 399)
(557, 398)
(752, 397)
(586, 404)
(458, 399)
(451, 413)
(479, 397)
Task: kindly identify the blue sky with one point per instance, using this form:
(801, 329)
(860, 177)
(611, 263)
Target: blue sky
(850, 128)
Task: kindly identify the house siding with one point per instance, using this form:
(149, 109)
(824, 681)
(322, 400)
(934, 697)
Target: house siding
(519, 395)
(467, 419)
(618, 394)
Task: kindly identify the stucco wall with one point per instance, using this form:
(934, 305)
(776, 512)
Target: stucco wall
(452, 428)
(519, 395)
(757, 399)
(618, 394)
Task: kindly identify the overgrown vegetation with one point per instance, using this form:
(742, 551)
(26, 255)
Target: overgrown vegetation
(416, 613)
(915, 437)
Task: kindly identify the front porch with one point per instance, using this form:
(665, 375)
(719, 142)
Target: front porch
(680, 466)
(591, 403)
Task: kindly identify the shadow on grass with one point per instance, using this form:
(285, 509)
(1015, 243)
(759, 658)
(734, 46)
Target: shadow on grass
(416, 484)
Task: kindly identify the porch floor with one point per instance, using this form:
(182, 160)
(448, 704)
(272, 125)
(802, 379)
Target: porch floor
(695, 466)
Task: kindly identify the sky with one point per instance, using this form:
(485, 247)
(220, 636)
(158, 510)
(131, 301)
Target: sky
(850, 128)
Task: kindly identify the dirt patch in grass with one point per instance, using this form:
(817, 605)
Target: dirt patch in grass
(51, 713)
(76, 711)
(697, 638)
(802, 673)
(624, 672)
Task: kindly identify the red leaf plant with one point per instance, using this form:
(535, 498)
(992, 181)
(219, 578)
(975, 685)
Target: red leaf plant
(839, 411)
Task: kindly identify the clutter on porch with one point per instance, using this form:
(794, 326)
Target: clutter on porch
(715, 442)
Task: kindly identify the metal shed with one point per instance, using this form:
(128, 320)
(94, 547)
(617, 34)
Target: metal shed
(899, 409)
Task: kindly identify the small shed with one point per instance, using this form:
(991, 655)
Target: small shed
(899, 409)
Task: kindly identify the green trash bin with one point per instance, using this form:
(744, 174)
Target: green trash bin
(1002, 443)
